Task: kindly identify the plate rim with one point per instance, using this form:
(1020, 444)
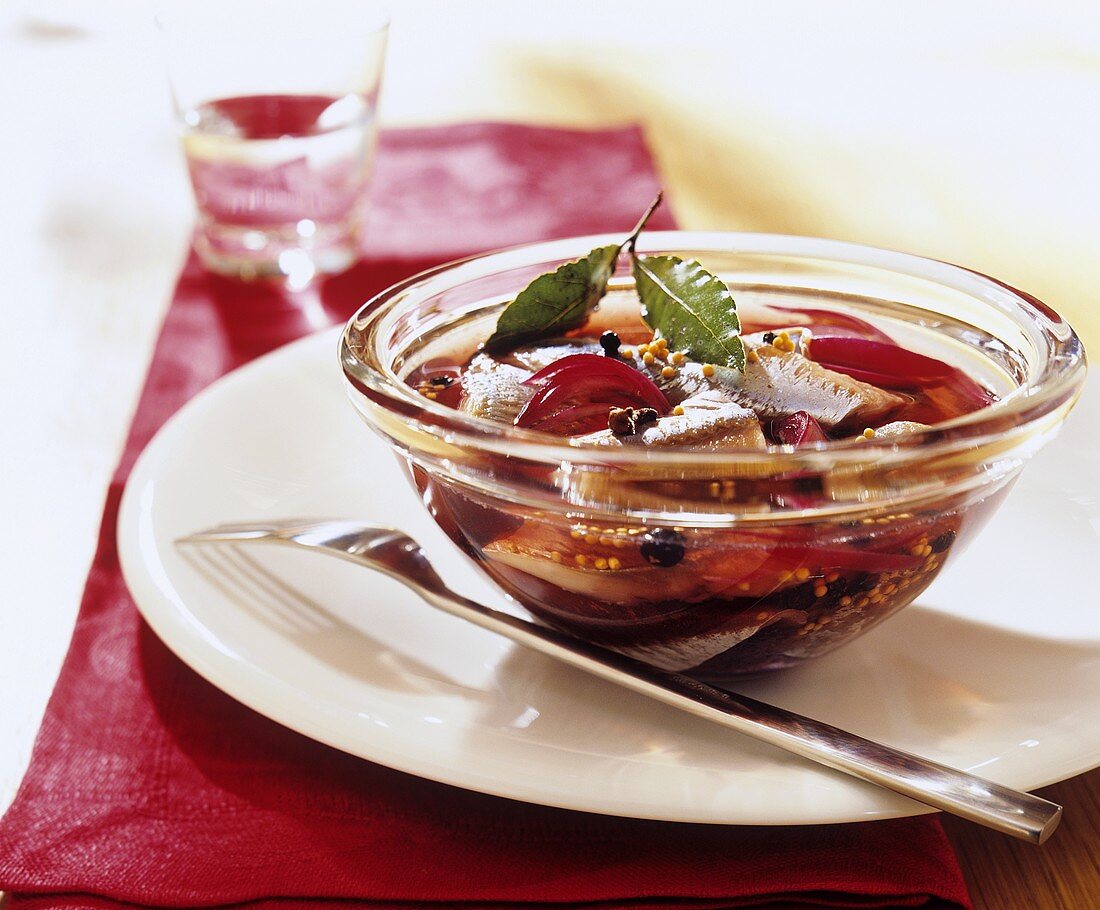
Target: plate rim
(168, 619)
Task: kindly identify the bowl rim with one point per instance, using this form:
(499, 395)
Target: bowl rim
(1059, 383)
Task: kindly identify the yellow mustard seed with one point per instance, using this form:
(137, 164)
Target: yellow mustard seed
(643, 349)
(580, 559)
(555, 556)
(627, 353)
(601, 563)
(648, 358)
(678, 411)
(708, 369)
(614, 564)
(576, 534)
(783, 342)
(801, 574)
(668, 372)
(868, 433)
(845, 601)
(676, 358)
(590, 539)
(820, 590)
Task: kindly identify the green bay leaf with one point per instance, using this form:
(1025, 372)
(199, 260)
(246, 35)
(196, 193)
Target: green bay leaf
(555, 302)
(691, 308)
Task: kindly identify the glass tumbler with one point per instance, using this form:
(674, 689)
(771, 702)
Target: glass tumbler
(277, 110)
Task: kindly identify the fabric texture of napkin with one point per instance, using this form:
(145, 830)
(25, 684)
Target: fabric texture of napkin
(150, 787)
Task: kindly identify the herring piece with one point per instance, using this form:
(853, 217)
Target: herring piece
(779, 383)
(627, 586)
(493, 389)
(678, 655)
(709, 421)
(782, 382)
(899, 428)
(688, 381)
(606, 564)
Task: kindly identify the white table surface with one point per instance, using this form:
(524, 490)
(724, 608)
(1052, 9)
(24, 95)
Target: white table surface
(965, 131)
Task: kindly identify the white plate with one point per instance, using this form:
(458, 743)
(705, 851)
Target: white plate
(997, 670)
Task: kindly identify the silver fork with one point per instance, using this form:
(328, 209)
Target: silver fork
(394, 553)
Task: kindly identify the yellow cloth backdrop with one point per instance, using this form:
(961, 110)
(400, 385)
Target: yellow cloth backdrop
(967, 131)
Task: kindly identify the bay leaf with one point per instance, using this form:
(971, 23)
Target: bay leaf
(555, 302)
(691, 308)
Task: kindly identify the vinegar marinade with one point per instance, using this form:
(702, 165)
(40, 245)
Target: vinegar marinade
(716, 602)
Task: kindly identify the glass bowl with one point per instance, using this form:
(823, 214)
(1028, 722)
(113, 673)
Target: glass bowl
(730, 562)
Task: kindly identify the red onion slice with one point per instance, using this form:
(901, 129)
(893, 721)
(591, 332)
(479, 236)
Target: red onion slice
(576, 392)
(890, 366)
(797, 429)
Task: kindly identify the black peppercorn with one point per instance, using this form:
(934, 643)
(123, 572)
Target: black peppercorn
(769, 337)
(442, 382)
(610, 343)
(663, 547)
(942, 542)
(621, 421)
(628, 421)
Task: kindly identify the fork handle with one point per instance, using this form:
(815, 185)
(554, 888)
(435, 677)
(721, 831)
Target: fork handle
(1009, 811)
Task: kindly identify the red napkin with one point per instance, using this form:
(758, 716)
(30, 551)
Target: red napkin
(149, 786)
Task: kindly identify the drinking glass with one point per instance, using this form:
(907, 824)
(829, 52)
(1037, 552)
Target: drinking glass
(277, 112)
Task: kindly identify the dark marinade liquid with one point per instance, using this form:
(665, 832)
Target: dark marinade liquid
(737, 602)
